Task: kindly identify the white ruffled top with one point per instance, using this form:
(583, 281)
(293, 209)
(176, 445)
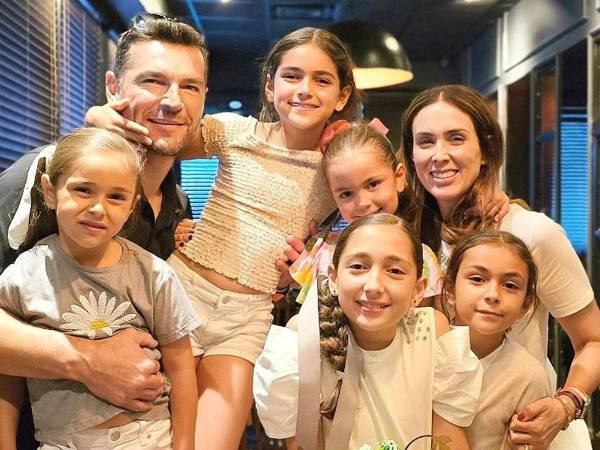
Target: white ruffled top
(400, 385)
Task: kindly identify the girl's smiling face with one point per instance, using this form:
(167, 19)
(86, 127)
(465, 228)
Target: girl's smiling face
(92, 201)
(490, 291)
(305, 89)
(377, 283)
(364, 182)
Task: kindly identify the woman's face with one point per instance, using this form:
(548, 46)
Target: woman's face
(446, 153)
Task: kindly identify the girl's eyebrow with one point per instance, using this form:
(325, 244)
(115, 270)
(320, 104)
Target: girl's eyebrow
(86, 182)
(300, 69)
(505, 274)
(397, 259)
(478, 267)
(393, 258)
(368, 180)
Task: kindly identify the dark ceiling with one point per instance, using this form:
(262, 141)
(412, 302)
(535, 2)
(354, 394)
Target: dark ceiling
(428, 29)
(240, 32)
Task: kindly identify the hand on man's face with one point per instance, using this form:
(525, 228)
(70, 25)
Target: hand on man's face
(166, 87)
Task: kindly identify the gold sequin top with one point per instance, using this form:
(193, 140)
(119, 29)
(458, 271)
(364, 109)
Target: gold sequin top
(262, 193)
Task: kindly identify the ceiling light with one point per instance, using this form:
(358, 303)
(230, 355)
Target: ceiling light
(235, 104)
(379, 58)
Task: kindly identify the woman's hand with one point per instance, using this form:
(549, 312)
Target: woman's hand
(109, 117)
(184, 232)
(537, 424)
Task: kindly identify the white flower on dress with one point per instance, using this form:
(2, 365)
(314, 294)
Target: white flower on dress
(96, 315)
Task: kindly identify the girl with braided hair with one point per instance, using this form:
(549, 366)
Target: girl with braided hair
(388, 370)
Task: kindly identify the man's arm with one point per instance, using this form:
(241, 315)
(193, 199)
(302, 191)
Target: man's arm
(116, 369)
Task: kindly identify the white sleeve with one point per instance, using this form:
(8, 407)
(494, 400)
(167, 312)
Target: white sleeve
(276, 382)
(457, 378)
(563, 285)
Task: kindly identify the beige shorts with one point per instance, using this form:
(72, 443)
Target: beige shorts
(232, 323)
(138, 435)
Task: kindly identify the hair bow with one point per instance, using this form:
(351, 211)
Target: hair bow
(338, 126)
(332, 131)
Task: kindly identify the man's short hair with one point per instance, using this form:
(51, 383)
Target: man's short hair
(157, 29)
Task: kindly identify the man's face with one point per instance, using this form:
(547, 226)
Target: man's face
(166, 86)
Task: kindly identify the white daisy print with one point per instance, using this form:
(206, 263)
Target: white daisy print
(96, 315)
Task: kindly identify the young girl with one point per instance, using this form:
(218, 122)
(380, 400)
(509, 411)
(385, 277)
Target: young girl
(270, 184)
(82, 279)
(453, 146)
(365, 176)
(490, 284)
(387, 373)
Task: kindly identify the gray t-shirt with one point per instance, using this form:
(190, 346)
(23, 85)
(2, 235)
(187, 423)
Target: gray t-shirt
(49, 289)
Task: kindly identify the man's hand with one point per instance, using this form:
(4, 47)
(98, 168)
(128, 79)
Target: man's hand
(120, 369)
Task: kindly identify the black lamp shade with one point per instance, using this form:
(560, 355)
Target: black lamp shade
(379, 58)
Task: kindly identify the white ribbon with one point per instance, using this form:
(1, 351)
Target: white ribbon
(17, 231)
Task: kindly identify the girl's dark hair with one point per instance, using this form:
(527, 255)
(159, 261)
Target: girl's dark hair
(361, 134)
(499, 238)
(491, 143)
(69, 149)
(332, 47)
(332, 321)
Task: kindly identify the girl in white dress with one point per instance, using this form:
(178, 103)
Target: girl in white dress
(388, 371)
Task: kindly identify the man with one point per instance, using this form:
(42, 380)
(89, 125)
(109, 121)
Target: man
(161, 70)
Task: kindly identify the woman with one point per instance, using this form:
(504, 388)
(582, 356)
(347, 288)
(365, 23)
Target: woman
(454, 147)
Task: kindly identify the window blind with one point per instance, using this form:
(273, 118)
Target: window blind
(28, 77)
(81, 66)
(197, 178)
(51, 72)
(574, 177)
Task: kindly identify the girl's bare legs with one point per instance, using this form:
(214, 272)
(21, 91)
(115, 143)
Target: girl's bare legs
(225, 398)
(291, 444)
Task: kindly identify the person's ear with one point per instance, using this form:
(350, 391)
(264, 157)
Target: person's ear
(269, 89)
(112, 86)
(331, 272)
(450, 299)
(48, 191)
(135, 203)
(527, 303)
(343, 97)
(400, 178)
(419, 291)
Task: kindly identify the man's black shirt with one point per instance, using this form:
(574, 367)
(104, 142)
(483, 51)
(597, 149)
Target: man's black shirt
(156, 236)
